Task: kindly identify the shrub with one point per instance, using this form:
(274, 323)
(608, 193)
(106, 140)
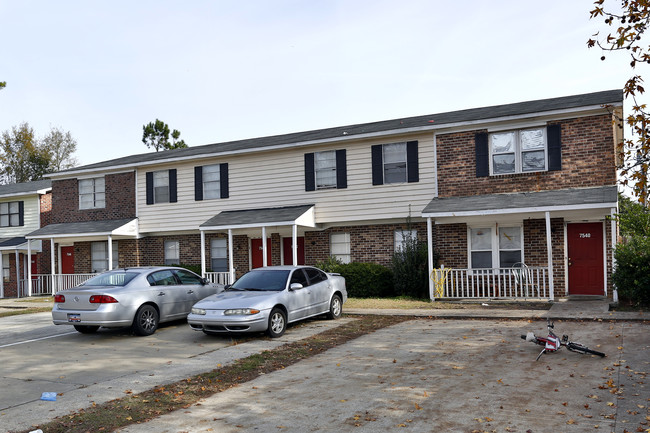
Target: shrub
(410, 268)
(366, 280)
(632, 274)
(329, 265)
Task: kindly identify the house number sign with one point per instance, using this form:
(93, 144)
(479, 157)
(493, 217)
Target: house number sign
(585, 235)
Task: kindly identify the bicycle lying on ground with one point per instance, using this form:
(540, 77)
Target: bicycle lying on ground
(552, 343)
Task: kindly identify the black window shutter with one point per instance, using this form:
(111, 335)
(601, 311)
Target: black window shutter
(341, 169)
(412, 166)
(149, 181)
(482, 154)
(377, 165)
(198, 183)
(223, 180)
(21, 213)
(310, 175)
(173, 197)
(554, 140)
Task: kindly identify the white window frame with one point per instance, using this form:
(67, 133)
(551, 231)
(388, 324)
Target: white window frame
(325, 169)
(161, 186)
(400, 164)
(495, 247)
(96, 194)
(219, 250)
(518, 151)
(211, 187)
(399, 238)
(98, 255)
(10, 214)
(6, 267)
(172, 253)
(340, 246)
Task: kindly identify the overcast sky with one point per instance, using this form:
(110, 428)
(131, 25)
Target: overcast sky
(227, 70)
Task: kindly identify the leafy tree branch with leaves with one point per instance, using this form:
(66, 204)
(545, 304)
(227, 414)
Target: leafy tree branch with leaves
(156, 135)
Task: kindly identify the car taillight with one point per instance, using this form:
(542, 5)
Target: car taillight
(59, 299)
(102, 299)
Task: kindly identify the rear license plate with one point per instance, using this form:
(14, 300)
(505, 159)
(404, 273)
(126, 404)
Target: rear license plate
(74, 318)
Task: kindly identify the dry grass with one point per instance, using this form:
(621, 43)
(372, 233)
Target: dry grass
(398, 303)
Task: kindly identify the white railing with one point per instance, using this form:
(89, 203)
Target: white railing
(48, 284)
(218, 277)
(525, 282)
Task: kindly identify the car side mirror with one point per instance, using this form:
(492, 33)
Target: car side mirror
(227, 286)
(204, 281)
(295, 286)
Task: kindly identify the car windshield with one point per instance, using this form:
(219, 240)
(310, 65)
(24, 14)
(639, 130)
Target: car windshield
(272, 280)
(115, 278)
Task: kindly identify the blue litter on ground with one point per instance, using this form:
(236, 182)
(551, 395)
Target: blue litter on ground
(48, 396)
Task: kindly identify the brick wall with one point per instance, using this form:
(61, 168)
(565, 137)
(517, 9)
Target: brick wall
(587, 160)
(120, 200)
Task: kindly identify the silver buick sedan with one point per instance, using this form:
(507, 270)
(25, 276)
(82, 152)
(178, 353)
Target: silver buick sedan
(137, 297)
(269, 298)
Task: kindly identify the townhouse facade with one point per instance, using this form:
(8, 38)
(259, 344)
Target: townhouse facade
(24, 207)
(514, 200)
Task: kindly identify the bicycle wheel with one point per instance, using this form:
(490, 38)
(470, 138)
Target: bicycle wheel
(579, 348)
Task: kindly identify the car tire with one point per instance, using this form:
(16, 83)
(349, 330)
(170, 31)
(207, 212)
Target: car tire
(86, 329)
(277, 323)
(145, 321)
(336, 308)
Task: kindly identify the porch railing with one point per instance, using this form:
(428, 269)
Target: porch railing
(524, 282)
(48, 284)
(218, 277)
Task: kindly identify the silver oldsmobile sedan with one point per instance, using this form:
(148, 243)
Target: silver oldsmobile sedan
(269, 298)
(137, 297)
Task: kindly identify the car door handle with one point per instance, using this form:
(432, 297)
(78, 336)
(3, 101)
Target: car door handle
(189, 292)
(161, 294)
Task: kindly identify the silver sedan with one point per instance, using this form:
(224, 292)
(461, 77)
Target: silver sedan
(267, 299)
(137, 297)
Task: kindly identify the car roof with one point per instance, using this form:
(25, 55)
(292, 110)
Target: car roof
(281, 268)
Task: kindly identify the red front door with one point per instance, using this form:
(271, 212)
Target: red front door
(67, 260)
(585, 248)
(257, 253)
(287, 251)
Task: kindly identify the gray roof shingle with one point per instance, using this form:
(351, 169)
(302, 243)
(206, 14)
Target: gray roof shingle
(350, 131)
(75, 229)
(262, 216)
(25, 187)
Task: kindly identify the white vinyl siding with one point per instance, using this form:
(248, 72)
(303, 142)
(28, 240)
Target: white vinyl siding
(273, 179)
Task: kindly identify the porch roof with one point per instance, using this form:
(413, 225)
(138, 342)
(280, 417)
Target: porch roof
(18, 243)
(89, 229)
(302, 215)
(562, 200)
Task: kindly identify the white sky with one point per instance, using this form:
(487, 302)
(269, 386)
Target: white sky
(227, 70)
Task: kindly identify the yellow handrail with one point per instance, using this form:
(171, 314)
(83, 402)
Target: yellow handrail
(439, 277)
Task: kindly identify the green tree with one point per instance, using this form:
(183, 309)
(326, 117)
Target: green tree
(3, 84)
(632, 273)
(628, 24)
(24, 158)
(156, 135)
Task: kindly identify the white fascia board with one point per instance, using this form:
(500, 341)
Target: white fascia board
(457, 127)
(488, 212)
(249, 226)
(30, 194)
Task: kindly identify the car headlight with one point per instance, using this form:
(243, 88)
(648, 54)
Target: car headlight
(198, 311)
(241, 312)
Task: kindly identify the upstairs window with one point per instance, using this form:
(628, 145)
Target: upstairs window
(11, 214)
(518, 151)
(326, 170)
(395, 163)
(161, 186)
(92, 193)
(211, 181)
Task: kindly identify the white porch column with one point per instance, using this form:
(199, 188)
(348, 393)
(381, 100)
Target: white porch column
(29, 267)
(110, 252)
(613, 228)
(17, 274)
(430, 255)
(231, 260)
(294, 245)
(202, 254)
(549, 255)
(264, 246)
(52, 266)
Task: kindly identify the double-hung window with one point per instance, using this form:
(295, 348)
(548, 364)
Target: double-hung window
(99, 256)
(395, 163)
(394, 157)
(518, 151)
(10, 214)
(172, 253)
(161, 186)
(219, 255)
(402, 238)
(5, 267)
(325, 169)
(211, 181)
(495, 247)
(92, 193)
(340, 246)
